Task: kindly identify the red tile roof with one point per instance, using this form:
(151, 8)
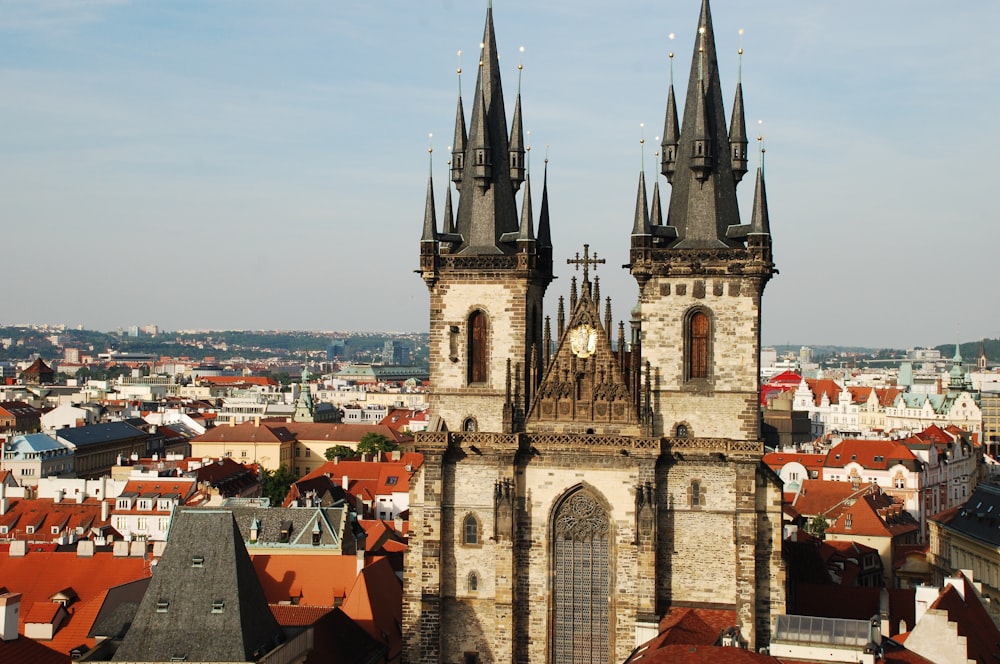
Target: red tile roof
(41, 574)
(375, 603)
(871, 454)
(313, 579)
(297, 615)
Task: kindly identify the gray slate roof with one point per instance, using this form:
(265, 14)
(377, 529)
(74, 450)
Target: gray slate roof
(205, 601)
(95, 434)
(979, 518)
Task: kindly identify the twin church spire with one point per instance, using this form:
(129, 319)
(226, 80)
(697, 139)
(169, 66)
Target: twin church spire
(701, 160)
(488, 167)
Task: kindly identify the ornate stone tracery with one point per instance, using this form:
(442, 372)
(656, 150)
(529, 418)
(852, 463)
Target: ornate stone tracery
(581, 518)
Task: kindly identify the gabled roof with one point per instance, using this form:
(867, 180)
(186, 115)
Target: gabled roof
(822, 496)
(311, 579)
(870, 454)
(966, 609)
(41, 574)
(205, 599)
(375, 603)
(777, 460)
(875, 515)
(245, 432)
(339, 640)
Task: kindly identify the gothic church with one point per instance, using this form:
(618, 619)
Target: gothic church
(582, 479)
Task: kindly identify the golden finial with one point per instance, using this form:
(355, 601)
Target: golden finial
(430, 152)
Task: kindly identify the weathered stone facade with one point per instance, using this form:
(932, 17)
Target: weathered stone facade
(577, 483)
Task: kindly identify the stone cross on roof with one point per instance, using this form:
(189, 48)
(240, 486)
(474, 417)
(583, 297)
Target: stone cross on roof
(586, 262)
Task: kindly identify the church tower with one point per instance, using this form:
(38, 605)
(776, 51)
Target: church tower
(701, 273)
(486, 271)
(582, 481)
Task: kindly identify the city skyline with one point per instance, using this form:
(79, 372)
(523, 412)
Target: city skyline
(261, 166)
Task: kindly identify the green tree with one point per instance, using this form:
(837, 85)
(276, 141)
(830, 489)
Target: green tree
(816, 526)
(372, 443)
(276, 484)
(342, 451)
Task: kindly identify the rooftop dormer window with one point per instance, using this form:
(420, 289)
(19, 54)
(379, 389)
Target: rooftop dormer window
(162, 606)
(218, 606)
(197, 561)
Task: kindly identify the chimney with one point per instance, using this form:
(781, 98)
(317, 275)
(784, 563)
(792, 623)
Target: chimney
(10, 609)
(256, 421)
(57, 498)
(344, 482)
(105, 510)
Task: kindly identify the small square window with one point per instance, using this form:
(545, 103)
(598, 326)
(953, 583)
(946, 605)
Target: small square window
(162, 606)
(218, 606)
(197, 561)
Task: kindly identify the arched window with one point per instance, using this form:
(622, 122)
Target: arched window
(473, 582)
(697, 345)
(682, 431)
(581, 559)
(470, 424)
(470, 530)
(477, 347)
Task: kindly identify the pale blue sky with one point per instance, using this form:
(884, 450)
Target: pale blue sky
(263, 164)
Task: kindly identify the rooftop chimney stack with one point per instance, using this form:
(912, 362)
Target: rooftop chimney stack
(10, 609)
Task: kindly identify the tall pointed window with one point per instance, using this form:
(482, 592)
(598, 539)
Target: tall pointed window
(698, 336)
(581, 581)
(477, 347)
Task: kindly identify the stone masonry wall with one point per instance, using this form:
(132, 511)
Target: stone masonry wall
(724, 406)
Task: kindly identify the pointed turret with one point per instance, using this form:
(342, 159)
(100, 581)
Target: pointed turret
(526, 236)
(738, 136)
(517, 147)
(487, 211)
(703, 197)
(460, 141)
(641, 224)
(656, 212)
(671, 133)
(430, 217)
(479, 145)
(449, 215)
(760, 222)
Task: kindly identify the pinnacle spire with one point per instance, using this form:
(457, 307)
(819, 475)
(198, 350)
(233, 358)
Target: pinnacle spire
(487, 216)
(703, 196)
(430, 217)
(641, 225)
(760, 223)
(738, 135)
(656, 214)
(459, 143)
(527, 233)
(517, 166)
(544, 229)
(671, 135)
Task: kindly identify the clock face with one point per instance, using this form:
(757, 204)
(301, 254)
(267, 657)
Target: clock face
(583, 340)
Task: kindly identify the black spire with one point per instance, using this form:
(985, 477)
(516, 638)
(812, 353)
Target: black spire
(671, 133)
(641, 223)
(487, 211)
(703, 197)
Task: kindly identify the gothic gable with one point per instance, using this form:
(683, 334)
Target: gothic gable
(585, 382)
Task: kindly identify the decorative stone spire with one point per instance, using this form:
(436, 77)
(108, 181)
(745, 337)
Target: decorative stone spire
(641, 223)
(461, 139)
(430, 217)
(738, 135)
(671, 132)
(526, 236)
(516, 152)
(703, 201)
(760, 223)
(487, 218)
(656, 213)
